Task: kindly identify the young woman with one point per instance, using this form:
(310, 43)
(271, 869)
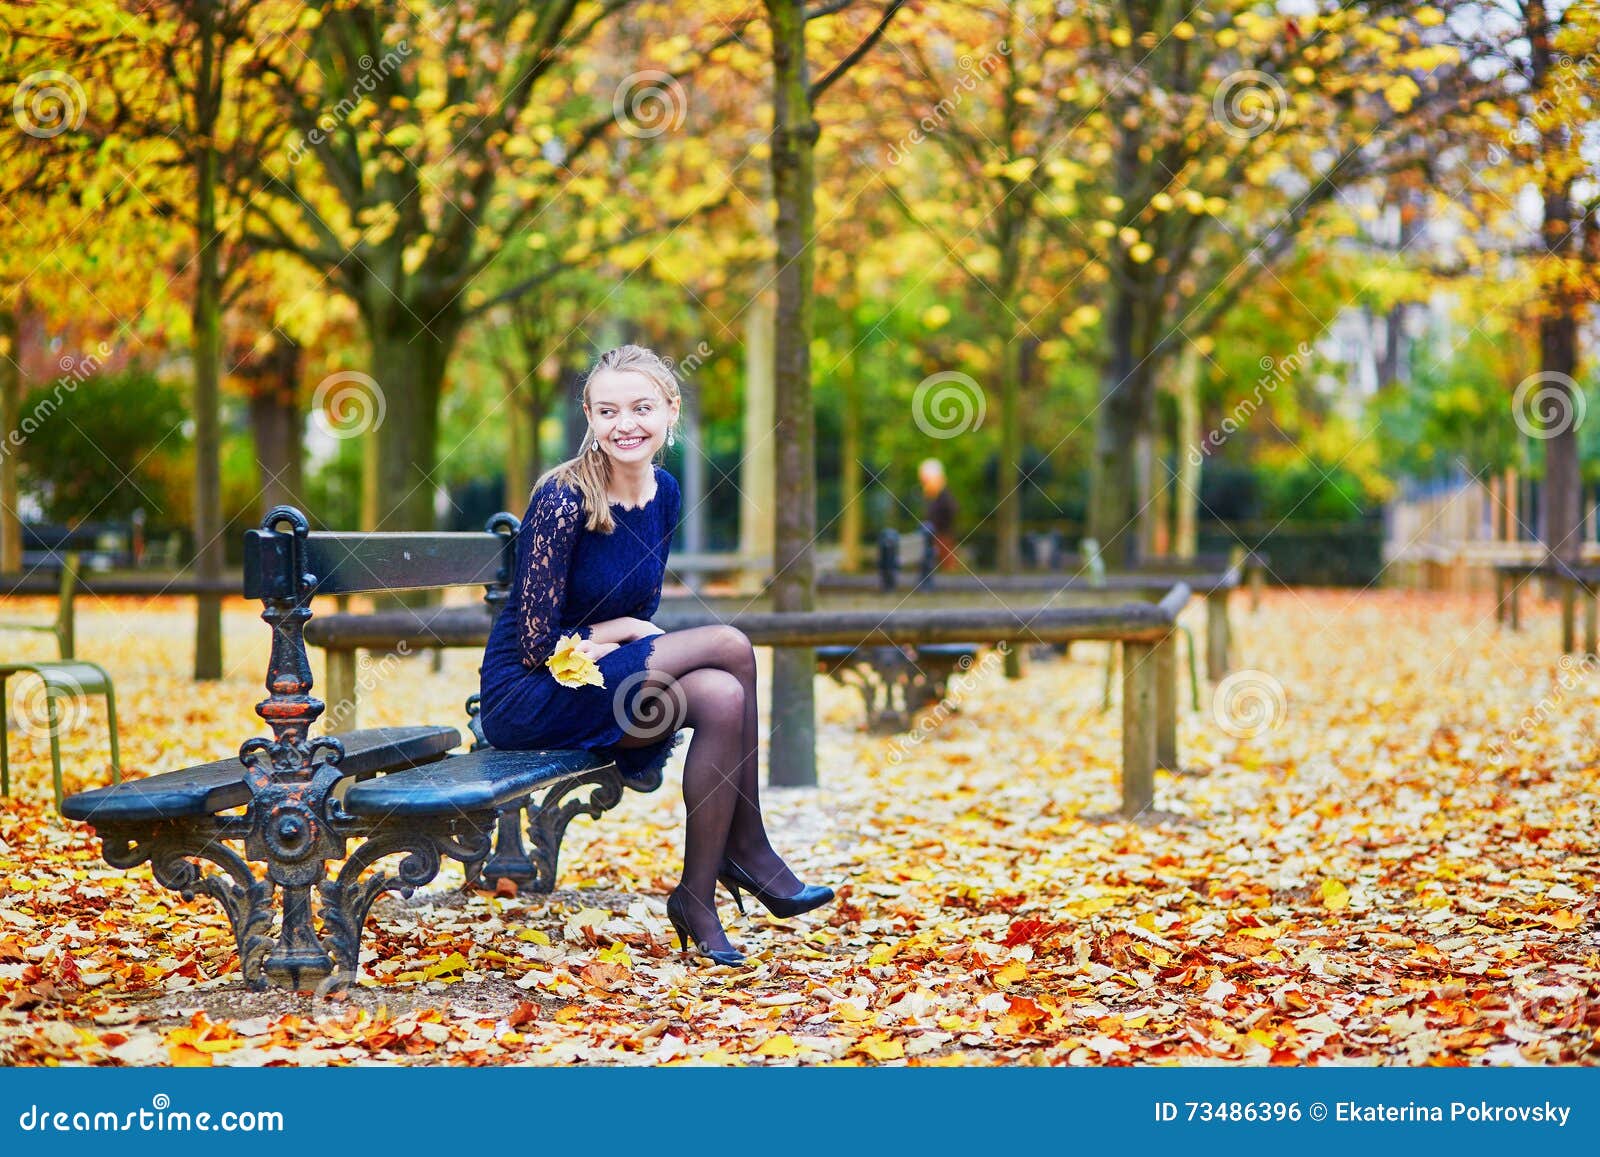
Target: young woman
(591, 553)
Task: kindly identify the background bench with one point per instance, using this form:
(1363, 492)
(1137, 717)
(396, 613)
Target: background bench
(1572, 582)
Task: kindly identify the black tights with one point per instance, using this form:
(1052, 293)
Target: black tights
(705, 678)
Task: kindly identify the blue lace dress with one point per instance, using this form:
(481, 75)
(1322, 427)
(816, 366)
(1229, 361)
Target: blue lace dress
(569, 577)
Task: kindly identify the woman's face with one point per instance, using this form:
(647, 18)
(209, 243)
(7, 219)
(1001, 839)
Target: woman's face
(628, 414)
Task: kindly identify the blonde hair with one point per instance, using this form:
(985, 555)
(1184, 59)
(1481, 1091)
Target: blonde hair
(590, 472)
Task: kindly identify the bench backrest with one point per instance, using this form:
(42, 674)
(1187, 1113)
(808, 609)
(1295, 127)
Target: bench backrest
(285, 559)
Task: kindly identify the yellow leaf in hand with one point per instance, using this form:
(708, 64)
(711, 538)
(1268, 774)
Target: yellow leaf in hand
(571, 667)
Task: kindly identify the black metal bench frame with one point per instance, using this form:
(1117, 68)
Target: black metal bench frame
(306, 798)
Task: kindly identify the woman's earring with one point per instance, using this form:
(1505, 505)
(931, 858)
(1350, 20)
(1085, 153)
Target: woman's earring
(671, 440)
(594, 447)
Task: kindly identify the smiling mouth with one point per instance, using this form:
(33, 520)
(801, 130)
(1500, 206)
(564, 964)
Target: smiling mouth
(627, 443)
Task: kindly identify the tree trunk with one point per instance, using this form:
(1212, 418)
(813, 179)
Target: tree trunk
(275, 423)
(207, 348)
(691, 436)
(1185, 540)
(851, 512)
(758, 465)
(10, 415)
(1558, 355)
(1013, 364)
(792, 760)
(408, 366)
(521, 435)
(1008, 513)
(1119, 426)
(1554, 403)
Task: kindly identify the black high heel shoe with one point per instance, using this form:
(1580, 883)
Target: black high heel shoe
(680, 925)
(808, 897)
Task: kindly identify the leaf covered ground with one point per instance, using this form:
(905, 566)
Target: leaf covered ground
(1383, 851)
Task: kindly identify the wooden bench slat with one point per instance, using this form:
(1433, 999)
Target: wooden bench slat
(208, 788)
(474, 782)
(346, 564)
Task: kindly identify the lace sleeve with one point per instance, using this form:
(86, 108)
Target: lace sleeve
(674, 500)
(544, 550)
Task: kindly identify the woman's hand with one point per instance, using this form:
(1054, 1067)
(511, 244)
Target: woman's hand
(626, 629)
(593, 650)
(643, 629)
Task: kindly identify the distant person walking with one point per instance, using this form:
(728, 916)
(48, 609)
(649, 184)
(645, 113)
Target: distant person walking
(939, 512)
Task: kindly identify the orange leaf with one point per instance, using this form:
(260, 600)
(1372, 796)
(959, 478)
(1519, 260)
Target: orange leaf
(186, 1056)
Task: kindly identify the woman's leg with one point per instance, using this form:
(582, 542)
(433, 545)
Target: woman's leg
(728, 649)
(713, 703)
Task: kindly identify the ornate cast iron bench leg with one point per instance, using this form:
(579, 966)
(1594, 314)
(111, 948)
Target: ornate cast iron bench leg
(168, 846)
(535, 866)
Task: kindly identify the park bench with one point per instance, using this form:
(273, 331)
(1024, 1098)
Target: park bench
(306, 798)
(896, 682)
(1145, 627)
(98, 545)
(902, 679)
(1571, 582)
(1215, 586)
